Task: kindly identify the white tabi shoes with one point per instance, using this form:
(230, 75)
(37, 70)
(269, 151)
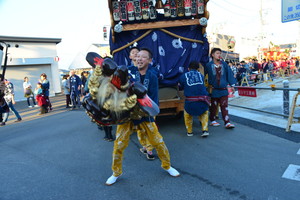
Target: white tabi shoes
(173, 172)
(111, 180)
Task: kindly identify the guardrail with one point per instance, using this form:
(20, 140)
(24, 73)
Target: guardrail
(287, 111)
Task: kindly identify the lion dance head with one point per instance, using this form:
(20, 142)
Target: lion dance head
(113, 98)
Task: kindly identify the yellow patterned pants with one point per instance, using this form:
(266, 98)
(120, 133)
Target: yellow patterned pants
(188, 120)
(142, 137)
(122, 139)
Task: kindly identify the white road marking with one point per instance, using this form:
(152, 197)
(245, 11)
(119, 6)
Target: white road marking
(292, 172)
(298, 152)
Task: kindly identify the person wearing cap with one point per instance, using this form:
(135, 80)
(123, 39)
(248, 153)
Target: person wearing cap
(220, 77)
(146, 124)
(196, 99)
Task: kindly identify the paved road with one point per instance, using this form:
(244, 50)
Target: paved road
(61, 155)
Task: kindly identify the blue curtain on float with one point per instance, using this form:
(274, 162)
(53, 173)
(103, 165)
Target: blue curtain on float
(171, 55)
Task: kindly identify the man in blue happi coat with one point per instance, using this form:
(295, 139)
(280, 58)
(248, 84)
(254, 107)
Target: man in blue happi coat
(75, 88)
(196, 99)
(220, 77)
(145, 125)
(135, 75)
(133, 69)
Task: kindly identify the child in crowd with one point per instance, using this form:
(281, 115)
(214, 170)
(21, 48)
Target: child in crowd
(41, 99)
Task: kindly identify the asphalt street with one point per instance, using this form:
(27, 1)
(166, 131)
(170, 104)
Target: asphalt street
(62, 155)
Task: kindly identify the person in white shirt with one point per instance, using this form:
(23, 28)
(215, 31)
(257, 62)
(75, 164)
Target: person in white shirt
(28, 93)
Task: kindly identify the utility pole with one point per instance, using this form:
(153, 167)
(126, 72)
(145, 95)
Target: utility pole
(260, 32)
(264, 10)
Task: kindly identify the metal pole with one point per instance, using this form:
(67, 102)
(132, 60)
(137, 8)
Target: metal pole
(1, 54)
(286, 98)
(5, 60)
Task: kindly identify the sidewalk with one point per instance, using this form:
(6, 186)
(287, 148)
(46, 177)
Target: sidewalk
(269, 101)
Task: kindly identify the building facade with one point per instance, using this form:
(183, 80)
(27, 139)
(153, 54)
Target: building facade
(28, 56)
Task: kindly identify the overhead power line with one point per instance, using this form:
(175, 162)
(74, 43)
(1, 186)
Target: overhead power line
(241, 8)
(233, 11)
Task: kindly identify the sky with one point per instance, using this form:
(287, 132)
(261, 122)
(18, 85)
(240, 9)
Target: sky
(80, 23)
(77, 23)
(242, 18)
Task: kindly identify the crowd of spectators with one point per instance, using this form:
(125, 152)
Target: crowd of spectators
(265, 69)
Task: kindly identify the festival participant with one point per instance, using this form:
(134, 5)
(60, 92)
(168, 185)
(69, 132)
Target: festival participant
(107, 129)
(219, 77)
(46, 87)
(196, 99)
(147, 148)
(145, 124)
(133, 67)
(133, 55)
(75, 88)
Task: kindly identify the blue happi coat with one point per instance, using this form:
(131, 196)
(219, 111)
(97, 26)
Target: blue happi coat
(226, 79)
(193, 84)
(150, 81)
(151, 68)
(74, 82)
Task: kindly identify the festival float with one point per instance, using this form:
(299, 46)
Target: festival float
(174, 30)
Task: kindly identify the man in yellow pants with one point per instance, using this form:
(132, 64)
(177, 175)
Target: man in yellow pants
(196, 99)
(147, 148)
(146, 125)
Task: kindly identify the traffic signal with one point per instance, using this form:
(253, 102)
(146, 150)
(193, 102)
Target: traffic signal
(105, 33)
